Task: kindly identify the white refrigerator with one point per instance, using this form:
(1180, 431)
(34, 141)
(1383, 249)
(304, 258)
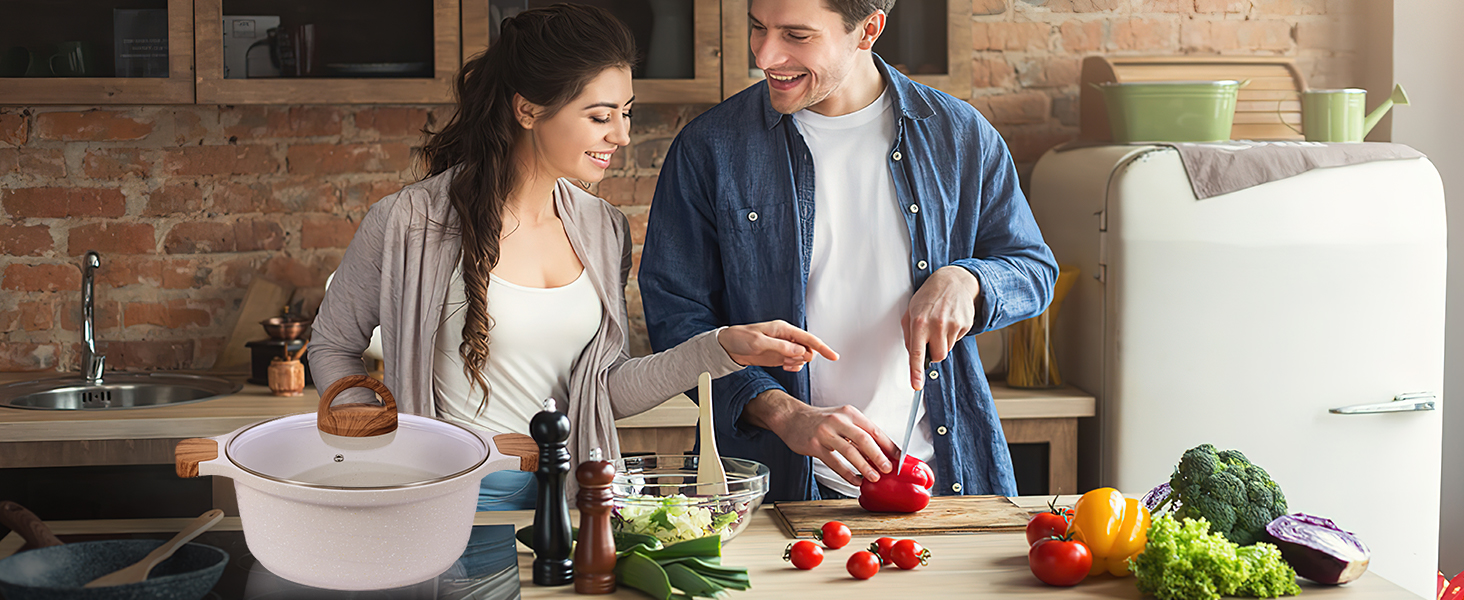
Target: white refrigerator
(1243, 320)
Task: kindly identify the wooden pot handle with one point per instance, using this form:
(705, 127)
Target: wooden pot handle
(520, 445)
(188, 453)
(28, 525)
(357, 420)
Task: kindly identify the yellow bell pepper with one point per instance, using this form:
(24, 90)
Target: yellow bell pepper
(1114, 528)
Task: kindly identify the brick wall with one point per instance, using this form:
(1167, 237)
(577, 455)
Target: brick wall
(1028, 53)
(188, 204)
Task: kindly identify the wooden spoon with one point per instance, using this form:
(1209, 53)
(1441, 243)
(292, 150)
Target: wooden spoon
(138, 571)
(27, 525)
(711, 478)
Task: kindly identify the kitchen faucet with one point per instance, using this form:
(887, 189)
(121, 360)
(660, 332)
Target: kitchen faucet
(92, 363)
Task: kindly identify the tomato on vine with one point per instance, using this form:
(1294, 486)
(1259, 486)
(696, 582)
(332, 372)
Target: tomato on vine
(1054, 522)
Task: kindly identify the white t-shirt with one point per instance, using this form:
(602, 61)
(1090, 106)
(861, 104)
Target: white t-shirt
(859, 282)
(537, 335)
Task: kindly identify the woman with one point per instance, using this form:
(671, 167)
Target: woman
(496, 282)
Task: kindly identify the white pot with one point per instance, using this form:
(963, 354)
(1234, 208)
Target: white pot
(365, 510)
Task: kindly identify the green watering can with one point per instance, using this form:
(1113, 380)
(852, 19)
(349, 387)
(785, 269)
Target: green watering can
(1337, 115)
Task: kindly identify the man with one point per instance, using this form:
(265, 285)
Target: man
(913, 236)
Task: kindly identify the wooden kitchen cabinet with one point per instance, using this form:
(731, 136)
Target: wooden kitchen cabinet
(416, 44)
(679, 42)
(39, 26)
(929, 40)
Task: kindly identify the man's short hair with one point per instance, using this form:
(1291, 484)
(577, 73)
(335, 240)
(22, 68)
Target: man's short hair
(854, 11)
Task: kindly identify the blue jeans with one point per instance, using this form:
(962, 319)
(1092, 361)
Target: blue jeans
(508, 490)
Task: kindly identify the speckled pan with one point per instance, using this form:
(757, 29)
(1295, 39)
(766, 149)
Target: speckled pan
(59, 572)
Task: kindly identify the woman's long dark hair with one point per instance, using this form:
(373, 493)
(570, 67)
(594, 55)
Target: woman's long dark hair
(548, 56)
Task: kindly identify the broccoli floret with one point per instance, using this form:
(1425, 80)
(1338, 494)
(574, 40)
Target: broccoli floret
(1237, 497)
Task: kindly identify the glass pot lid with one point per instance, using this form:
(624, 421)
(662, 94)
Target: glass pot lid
(357, 446)
(421, 451)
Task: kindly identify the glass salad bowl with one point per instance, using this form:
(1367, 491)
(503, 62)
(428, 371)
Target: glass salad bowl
(658, 496)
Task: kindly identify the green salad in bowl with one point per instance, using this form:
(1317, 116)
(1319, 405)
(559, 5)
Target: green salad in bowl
(658, 496)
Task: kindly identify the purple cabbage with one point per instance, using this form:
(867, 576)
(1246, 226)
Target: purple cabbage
(1157, 497)
(1318, 549)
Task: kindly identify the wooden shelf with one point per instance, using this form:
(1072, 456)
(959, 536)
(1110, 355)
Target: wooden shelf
(176, 88)
(212, 88)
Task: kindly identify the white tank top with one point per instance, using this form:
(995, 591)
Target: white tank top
(537, 335)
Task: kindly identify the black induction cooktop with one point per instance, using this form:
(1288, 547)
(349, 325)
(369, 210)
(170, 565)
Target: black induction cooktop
(487, 570)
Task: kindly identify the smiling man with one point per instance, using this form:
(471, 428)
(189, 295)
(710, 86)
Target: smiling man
(912, 236)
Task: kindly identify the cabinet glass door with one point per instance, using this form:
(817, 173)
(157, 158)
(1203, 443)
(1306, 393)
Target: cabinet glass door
(676, 42)
(928, 40)
(327, 51)
(96, 52)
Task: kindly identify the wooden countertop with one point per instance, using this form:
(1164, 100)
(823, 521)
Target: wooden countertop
(978, 565)
(254, 403)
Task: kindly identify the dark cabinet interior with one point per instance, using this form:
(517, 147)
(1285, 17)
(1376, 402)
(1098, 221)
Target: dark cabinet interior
(355, 38)
(35, 34)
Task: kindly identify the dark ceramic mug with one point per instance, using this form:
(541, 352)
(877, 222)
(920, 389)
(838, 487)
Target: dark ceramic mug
(72, 59)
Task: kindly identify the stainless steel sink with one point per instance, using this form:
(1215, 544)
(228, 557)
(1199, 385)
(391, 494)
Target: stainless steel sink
(114, 391)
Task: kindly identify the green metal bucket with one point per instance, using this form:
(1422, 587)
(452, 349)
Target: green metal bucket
(1170, 111)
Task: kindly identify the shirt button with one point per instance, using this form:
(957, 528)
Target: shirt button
(914, 208)
(955, 487)
(896, 155)
(934, 374)
(940, 430)
(921, 265)
(752, 215)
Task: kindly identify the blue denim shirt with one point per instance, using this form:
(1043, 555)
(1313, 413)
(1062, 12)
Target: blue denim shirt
(731, 233)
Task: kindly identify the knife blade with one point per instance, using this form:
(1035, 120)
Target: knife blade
(914, 410)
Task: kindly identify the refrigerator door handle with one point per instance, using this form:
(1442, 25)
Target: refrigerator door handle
(1409, 402)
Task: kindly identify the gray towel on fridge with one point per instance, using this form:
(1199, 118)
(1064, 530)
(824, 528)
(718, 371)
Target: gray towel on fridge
(1216, 168)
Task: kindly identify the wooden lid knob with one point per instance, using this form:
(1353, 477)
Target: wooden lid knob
(357, 420)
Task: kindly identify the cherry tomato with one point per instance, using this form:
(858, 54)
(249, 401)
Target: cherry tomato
(881, 547)
(907, 554)
(834, 534)
(804, 554)
(863, 564)
(1060, 561)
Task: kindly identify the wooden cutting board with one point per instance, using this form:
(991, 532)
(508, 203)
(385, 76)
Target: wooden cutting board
(944, 514)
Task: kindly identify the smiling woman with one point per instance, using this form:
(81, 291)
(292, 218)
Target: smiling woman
(497, 282)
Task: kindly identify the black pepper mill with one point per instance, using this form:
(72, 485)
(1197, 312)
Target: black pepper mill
(553, 539)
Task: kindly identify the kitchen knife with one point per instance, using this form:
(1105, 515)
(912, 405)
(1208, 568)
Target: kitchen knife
(914, 410)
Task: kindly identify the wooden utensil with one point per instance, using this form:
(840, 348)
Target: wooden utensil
(711, 478)
(25, 524)
(944, 514)
(138, 571)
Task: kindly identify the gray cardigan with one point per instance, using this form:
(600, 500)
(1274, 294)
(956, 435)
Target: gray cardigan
(395, 274)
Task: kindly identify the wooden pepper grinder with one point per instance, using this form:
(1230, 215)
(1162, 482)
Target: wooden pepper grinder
(594, 555)
(553, 538)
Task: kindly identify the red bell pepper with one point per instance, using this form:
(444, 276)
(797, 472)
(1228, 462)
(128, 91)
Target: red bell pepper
(904, 491)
